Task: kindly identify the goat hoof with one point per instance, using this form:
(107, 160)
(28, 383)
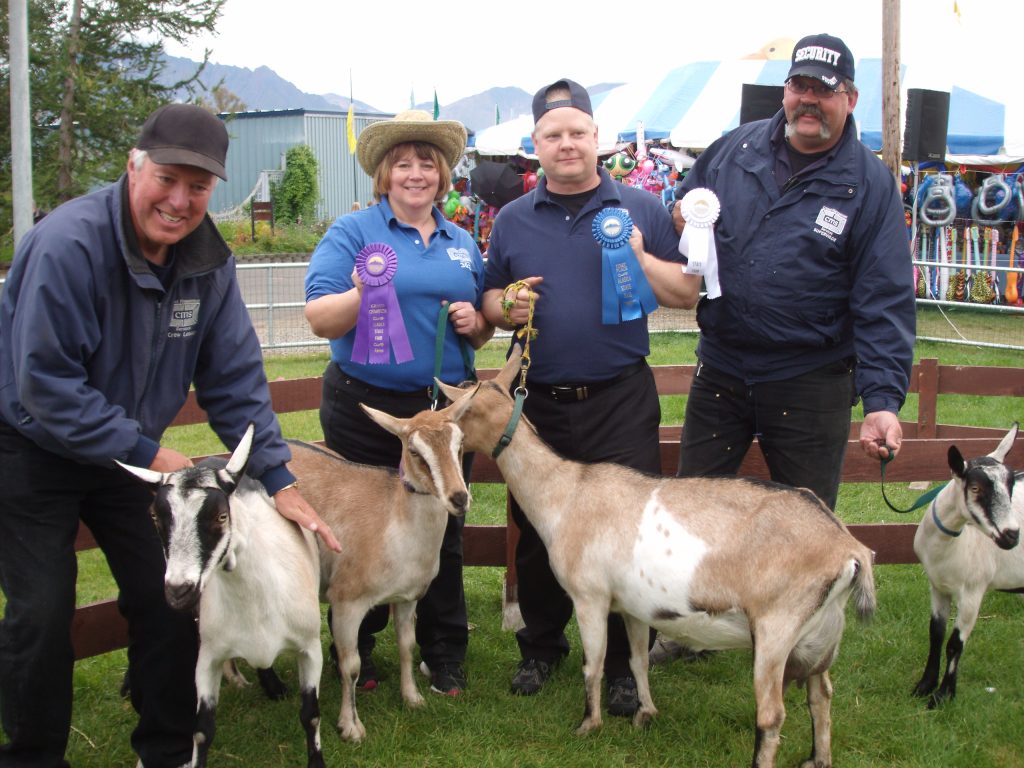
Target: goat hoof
(588, 726)
(812, 763)
(643, 717)
(415, 702)
(353, 733)
(923, 690)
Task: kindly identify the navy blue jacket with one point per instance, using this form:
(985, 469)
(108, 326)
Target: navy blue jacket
(810, 274)
(97, 357)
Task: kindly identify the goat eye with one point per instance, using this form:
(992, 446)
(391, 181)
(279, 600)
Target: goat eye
(222, 518)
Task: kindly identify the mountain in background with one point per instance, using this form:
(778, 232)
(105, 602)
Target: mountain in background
(264, 89)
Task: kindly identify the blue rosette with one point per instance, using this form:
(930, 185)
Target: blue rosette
(625, 292)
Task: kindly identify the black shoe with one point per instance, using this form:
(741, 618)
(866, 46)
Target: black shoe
(623, 700)
(446, 679)
(368, 679)
(531, 676)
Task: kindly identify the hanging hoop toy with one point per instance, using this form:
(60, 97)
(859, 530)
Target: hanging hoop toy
(980, 208)
(939, 206)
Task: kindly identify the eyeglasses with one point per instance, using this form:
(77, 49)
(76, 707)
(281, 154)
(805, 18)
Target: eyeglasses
(820, 90)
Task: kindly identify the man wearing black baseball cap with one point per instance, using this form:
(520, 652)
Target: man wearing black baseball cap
(817, 294)
(588, 375)
(115, 304)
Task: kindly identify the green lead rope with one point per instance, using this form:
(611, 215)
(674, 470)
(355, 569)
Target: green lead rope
(467, 362)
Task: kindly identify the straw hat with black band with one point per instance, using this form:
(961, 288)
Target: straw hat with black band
(411, 125)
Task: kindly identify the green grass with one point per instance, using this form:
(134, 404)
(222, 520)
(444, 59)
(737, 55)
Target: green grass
(706, 708)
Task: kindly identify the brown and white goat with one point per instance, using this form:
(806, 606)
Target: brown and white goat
(253, 575)
(391, 525)
(967, 543)
(718, 563)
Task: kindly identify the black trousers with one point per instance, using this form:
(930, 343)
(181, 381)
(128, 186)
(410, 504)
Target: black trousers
(617, 424)
(442, 629)
(44, 497)
(801, 424)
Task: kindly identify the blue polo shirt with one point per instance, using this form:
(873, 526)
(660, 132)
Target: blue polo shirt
(449, 267)
(534, 235)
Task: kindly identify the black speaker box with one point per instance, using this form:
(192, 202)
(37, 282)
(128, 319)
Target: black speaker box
(924, 136)
(760, 102)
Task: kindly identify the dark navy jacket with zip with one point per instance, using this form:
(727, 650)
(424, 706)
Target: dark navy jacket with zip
(810, 274)
(96, 357)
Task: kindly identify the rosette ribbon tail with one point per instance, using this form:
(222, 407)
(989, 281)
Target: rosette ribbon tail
(700, 209)
(625, 292)
(379, 324)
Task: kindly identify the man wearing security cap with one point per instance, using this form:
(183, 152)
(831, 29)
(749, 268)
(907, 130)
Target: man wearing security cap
(598, 256)
(816, 304)
(116, 303)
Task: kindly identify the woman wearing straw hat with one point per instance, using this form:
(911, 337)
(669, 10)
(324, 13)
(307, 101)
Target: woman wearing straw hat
(396, 288)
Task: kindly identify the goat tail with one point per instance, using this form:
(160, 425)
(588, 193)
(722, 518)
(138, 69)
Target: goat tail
(864, 589)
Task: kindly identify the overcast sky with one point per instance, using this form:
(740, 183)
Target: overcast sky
(461, 48)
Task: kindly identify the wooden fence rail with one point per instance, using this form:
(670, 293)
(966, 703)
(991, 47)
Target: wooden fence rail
(99, 628)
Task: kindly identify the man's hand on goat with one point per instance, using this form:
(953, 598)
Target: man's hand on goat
(292, 505)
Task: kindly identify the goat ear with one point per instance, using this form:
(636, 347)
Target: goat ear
(956, 462)
(452, 392)
(507, 374)
(458, 408)
(240, 456)
(150, 476)
(392, 424)
(999, 454)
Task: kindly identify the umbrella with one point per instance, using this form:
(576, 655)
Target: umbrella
(496, 183)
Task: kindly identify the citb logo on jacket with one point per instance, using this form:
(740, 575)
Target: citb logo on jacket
(184, 316)
(830, 223)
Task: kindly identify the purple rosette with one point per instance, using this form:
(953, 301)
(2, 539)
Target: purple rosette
(379, 325)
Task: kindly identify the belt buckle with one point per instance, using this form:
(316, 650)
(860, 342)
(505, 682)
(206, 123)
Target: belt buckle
(566, 393)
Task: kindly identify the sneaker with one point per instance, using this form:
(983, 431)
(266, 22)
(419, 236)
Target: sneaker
(446, 679)
(368, 678)
(623, 700)
(531, 676)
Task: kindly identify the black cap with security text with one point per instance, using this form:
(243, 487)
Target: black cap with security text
(823, 57)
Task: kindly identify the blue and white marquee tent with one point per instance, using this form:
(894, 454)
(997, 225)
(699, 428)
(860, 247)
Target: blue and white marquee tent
(694, 104)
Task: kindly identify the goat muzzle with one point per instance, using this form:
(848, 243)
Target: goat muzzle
(182, 596)
(1008, 539)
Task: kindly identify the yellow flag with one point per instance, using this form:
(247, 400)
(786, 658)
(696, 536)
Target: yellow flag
(350, 128)
(956, 10)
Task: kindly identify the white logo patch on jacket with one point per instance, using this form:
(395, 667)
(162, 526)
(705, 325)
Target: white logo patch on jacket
(830, 223)
(184, 318)
(462, 256)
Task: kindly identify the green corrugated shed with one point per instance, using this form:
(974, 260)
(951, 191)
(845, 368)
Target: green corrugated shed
(259, 141)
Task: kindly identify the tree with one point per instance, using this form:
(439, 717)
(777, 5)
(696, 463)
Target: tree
(221, 100)
(296, 195)
(94, 76)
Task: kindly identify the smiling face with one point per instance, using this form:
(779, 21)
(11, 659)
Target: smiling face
(814, 124)
(566, 143)
(167, 203)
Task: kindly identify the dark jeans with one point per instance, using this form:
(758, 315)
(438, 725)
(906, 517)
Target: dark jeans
(802, 426)
(617, 424)
(44, 497)
(442, 628)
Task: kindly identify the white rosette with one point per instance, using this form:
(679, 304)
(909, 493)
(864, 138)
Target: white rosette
(700, 209)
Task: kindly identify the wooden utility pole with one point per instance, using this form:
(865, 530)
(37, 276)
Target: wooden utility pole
(891, 139)
(21, 130)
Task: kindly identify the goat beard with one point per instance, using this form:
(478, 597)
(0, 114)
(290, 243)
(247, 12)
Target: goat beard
(812, 110)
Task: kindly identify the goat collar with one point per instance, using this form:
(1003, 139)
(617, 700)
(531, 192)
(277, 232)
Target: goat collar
(940, 526)
(513, 422)
(405, 483)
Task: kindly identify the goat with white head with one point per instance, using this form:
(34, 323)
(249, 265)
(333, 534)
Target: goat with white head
(717, 562)
(252, 574)
(392, 523)
(968, 544)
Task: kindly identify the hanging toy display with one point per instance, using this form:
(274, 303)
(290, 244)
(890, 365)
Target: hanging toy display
(937, 206)
(619, 165)
(992, 197)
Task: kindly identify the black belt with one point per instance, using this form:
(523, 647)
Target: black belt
(352, 381)
(573, 393)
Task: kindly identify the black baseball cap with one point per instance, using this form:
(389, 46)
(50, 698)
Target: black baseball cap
(823, 57)
(184, 134)
(578, 98)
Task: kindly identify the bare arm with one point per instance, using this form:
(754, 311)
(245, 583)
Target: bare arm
(470, 322)
(334, 315)
(672, 287)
